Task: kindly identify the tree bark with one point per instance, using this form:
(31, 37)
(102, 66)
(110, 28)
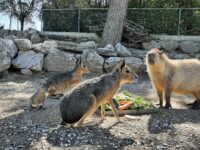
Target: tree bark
(22, 24)
(113, 29)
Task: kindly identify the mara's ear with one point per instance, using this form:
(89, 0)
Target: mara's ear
(121, 64)
(78, 61)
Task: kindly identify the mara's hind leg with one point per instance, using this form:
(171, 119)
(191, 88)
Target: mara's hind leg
(51, 91)
(90, 110)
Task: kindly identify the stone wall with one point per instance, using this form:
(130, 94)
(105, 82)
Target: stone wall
(35, 51)
(178, 47)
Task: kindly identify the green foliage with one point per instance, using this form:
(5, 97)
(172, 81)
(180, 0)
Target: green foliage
(164, 3)
(139, 102)
(190, 22)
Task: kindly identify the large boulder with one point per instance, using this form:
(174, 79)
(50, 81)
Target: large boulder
(70, 36)
(190, 47)
(36, 38)
(8, 46)
(108, 50)
(87, 45)
(46, 47)
(59, 61)
(135, 64)
(138, 53)
(26, 72)
(5, 60)
(150, 45)
(197, 56)
(32, 31)
(122, 51)
(23, 44)
(10, 37)
(175, 55)
(28, 60)
(169, 45)
(50, 44)
(76, 47)
(94, 61)
(68, 46)
(39, 48)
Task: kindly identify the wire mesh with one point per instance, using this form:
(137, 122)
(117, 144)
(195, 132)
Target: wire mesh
(170, 21)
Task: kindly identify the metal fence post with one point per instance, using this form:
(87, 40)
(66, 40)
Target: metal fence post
(179, 20)
(79, 16)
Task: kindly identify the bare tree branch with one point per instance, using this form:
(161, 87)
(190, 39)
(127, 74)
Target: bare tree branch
(21, 9)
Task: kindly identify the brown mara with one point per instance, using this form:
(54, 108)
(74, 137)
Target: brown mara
(59, 84)
(84, 99)
(178, 76)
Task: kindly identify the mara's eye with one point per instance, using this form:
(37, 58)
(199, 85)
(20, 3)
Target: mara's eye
(127, 71)
(84, 65)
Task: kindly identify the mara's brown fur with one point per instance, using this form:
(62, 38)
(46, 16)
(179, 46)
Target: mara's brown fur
(85, 98)
(37, 100)
(59, 83)
(178, 76)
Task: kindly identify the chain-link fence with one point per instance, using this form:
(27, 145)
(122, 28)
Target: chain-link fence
(171, 21)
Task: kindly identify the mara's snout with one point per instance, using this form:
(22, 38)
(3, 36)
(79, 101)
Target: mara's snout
(151, 58)
(134, 78)
(87, 70)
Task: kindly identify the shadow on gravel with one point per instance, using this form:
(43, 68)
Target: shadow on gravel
(31, 128)
(166, 119)
(94, 136)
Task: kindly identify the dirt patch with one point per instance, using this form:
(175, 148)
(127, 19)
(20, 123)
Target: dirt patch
(23, 128)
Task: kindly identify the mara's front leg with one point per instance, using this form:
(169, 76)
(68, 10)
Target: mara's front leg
(115, 111)
(102, 113)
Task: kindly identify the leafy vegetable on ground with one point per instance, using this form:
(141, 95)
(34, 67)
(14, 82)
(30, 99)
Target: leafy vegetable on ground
(129, 101)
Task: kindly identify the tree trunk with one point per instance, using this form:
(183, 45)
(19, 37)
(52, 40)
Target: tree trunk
(22, 24)
(113, 29)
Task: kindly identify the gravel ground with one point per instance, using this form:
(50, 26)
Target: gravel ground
(23, 128)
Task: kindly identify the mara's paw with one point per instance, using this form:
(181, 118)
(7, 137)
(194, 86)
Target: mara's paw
(118, 120)
(161, 107)
(78, 126)
(102, 120)
(168, 106)
(63, 123)
(159, 104)
(41, 107)
(32, 106)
